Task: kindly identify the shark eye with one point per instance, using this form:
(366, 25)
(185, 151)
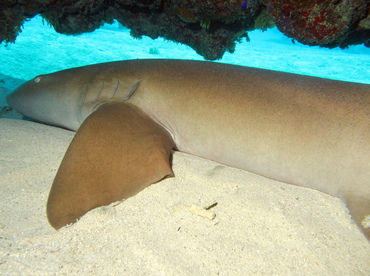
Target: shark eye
(37, 79)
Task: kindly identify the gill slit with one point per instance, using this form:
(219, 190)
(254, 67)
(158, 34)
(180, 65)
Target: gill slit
(133, 89)
(115, 90)
(101, 90)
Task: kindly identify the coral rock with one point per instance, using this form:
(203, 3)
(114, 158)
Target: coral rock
(210, 27)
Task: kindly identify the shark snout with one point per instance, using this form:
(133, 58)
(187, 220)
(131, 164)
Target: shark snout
(17, 102)
(47, 102)
(24, 99)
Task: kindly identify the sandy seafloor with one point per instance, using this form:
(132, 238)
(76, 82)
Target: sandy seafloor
(262, 227)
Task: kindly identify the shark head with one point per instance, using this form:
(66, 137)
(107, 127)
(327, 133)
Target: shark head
(52, 99)
(67, 97)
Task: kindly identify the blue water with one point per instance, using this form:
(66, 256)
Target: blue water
(39, 50)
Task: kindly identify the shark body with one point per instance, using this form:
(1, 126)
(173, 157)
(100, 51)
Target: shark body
(130, 116)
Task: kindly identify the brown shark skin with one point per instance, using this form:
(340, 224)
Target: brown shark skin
(297, 129)
(139, 152)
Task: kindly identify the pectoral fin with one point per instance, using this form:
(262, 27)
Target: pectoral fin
(117, 152)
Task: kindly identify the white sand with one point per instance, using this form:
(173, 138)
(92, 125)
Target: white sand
(261, 226)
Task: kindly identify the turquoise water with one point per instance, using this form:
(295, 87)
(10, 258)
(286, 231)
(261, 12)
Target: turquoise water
(39, 49)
